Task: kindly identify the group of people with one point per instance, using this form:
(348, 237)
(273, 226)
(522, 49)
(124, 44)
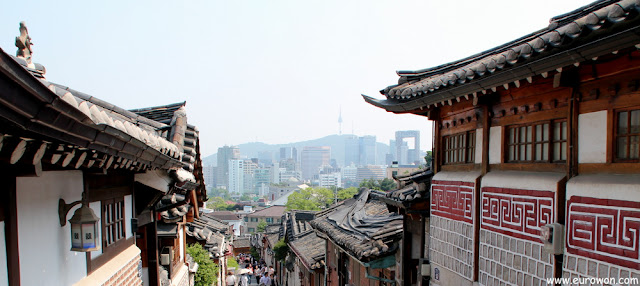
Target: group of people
(264, 275)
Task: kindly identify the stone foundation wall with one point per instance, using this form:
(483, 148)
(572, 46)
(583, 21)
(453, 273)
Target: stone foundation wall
(506, 259)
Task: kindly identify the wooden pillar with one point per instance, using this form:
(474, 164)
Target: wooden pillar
(11, 228)
(152, 254)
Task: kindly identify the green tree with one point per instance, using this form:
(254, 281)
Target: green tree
(254, 252)
(245, 197)
(218, 204)
(207, 269)
(231, 262)
(262, 226)
(280, 250)
(387, 184)
(311, 199)
(347, 193)
(428, 158)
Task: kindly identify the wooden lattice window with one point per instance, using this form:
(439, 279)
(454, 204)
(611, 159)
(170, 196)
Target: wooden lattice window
(627, 136)
(459, 148)
(540, 142)
(113, 225)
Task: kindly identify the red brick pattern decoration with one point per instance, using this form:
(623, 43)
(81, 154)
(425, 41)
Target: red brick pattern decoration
(515, 212)
(605, 230)
(453, 200)
(128, 275)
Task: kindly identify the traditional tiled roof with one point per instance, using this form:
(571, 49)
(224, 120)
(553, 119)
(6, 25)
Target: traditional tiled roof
(272, 211)
(273, 238)
(224, 215)
(172, 207)
(302, 239)
(310, 249)
(591, 31)
(272, 228)
(162, 114)
(412, 188)
(241, 242)
(362, 226)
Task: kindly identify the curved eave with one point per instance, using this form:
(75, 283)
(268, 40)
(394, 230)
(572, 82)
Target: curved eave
(386, 104)
(29, 104)
(626, 38)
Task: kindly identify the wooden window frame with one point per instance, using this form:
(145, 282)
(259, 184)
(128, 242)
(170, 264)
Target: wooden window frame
(113, 223)
(457, 146)
(532, 144)
(628, 135)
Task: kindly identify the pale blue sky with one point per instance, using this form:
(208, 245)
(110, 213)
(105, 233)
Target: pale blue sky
(271, 71)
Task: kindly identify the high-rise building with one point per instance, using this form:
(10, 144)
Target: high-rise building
(249, 167)
(367, 150)
(289, 153)
(261, 178)
(330, 180)
(209, 175)
(313, 158)
(405, 154)
(225, 154)
(360, 150)
(236, 176)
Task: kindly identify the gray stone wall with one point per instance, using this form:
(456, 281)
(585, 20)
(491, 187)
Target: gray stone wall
(575, 266)
(514, 261)
(451, 245)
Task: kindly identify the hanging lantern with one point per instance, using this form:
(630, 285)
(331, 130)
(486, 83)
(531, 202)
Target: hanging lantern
(84, 230)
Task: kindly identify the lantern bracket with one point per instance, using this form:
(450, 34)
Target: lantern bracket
(63, 210)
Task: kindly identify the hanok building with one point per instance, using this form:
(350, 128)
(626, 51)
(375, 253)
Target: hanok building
(412, 201)
(305, 264)
(212, 234)
(68, 154)
(531, 137)
(362, 240)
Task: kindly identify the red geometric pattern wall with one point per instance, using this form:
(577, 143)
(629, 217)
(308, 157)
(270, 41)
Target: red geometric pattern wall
(452, 199)
(604, 229)
(516, 212)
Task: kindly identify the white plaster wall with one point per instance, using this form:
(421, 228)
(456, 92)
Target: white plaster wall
(478, 155)
(540, 181)
(181, 236)
(605, 186)
(592, 137)
(457, 176)
(4, 275)
(44, 246)
(495, 145)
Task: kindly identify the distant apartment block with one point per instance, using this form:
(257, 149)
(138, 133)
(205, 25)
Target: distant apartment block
(330, 180)
(236, 176)
(313, 158)
(209, 175)
(225, 154)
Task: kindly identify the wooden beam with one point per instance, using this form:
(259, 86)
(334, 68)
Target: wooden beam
(11, 228)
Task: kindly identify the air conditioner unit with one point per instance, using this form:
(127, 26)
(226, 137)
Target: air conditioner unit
(165, 255)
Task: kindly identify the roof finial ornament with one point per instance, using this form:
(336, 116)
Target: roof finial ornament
(23, 42)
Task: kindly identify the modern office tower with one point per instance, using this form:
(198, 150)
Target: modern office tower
(225, 154)
(288, 153)
(313, 158)
(360, 150)
(367, 150)
(405, 154)
(351, 150)
(236, 176)
(349, 172)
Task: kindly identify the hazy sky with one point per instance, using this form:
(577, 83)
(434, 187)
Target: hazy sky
(268, 71)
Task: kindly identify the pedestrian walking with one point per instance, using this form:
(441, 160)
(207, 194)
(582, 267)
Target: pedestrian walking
(244, 280)
(232, 280)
